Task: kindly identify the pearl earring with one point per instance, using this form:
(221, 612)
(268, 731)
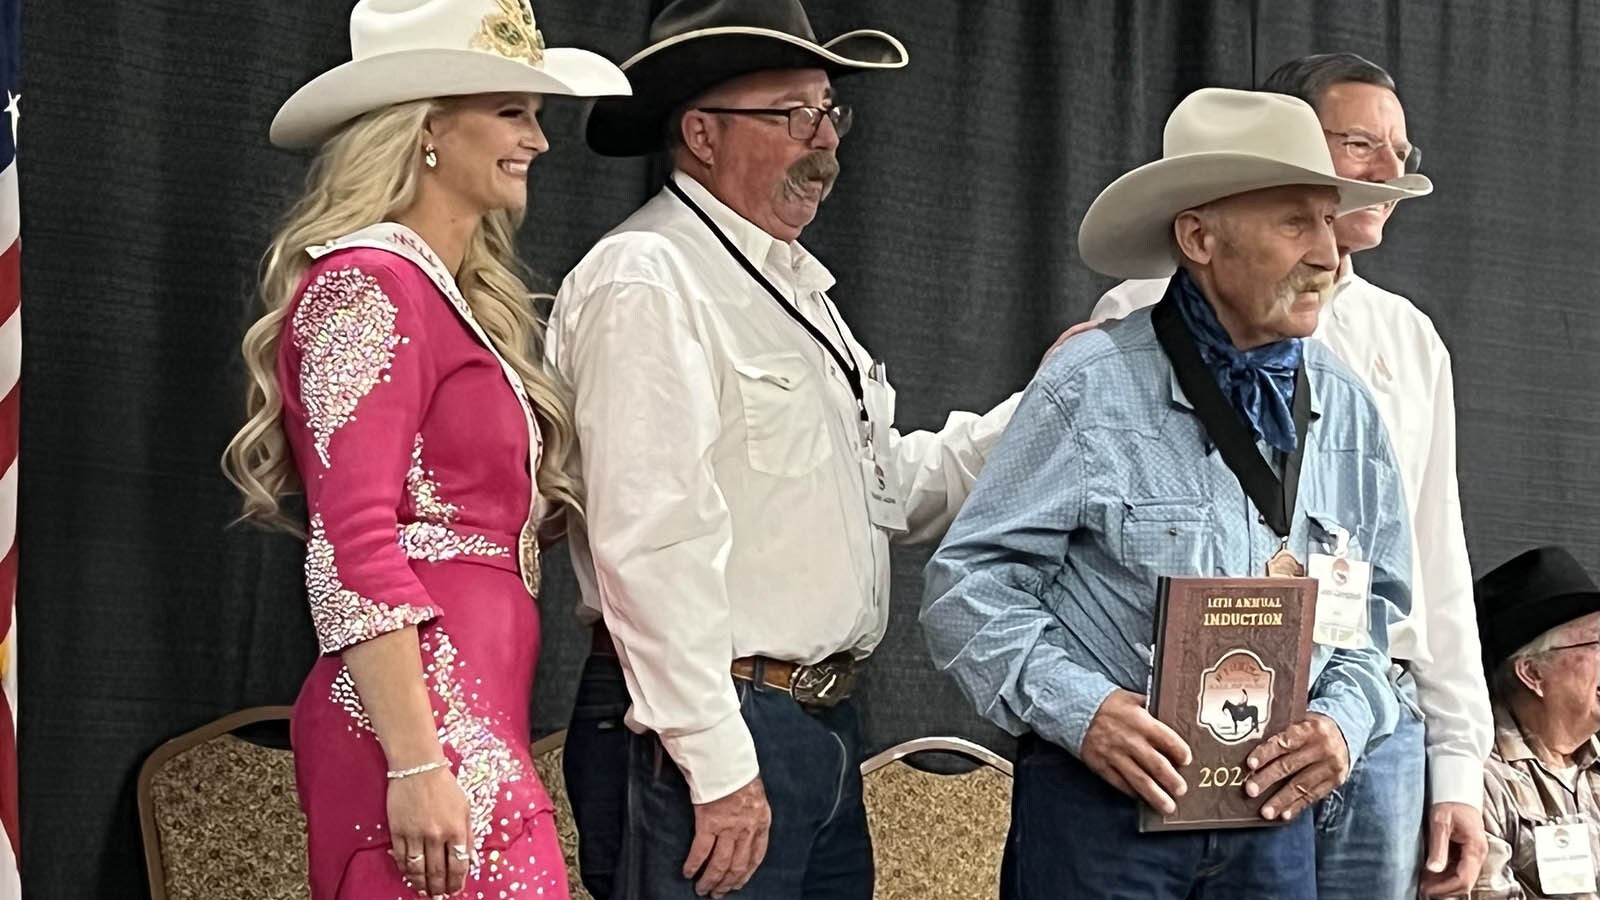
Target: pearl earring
(430, 156)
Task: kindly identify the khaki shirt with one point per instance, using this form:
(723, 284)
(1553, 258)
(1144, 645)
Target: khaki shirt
(1520, 793)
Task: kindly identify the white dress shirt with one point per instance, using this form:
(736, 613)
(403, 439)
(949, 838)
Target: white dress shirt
(727, 513)
(1393, 347)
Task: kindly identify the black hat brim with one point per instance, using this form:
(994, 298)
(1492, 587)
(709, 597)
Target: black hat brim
(666, 75)
(1509, 629)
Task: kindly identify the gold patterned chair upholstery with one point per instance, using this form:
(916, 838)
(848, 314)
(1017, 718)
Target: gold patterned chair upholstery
(219, 815)
(547, 753)
(937, 837)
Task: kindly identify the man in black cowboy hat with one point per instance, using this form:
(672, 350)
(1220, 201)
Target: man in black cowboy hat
(743, 477)
(1539, 618)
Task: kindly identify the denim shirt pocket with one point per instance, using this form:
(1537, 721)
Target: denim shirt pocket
(1167, 536)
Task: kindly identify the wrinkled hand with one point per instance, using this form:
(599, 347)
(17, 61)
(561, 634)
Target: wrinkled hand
(1456, 849)
(428, 818)
(1134, 752)
(730, 840)
(1310, 757)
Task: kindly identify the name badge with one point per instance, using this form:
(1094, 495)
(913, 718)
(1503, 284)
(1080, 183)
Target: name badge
(1343, 586)
(1563, 856)
(875, 390)
(883, 497)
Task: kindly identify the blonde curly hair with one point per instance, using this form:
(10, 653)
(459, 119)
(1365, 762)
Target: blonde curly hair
(366, 174)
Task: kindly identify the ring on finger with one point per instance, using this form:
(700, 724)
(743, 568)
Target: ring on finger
(460, 852)
(1300, 790)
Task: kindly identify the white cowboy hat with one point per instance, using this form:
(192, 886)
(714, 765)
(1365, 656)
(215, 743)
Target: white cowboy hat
(698, 44)
(416, 49)
(1217, 143)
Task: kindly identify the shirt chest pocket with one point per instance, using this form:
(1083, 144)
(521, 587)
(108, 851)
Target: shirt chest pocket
(786, 430)
(1167, 537)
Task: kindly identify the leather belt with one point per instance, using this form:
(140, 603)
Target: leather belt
(821, 684)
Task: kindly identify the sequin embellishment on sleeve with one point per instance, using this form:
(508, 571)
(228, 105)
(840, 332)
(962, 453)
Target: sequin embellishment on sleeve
(345, 331)
(343, 617)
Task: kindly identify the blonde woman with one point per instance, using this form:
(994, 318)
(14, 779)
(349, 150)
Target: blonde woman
(395, 380)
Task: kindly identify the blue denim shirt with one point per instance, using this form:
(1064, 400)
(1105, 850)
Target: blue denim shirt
(1042, 598)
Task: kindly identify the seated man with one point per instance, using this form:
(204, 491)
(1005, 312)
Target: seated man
(1539, 618)
(1042, 599)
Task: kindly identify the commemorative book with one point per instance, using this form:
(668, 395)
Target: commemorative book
(1231, 667)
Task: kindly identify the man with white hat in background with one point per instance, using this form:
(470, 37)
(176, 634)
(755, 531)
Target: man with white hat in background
(1368, 837)
(1128, 460)
(744, 479)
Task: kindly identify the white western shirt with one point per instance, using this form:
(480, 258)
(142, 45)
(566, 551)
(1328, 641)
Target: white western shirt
(1393, 347)
(722, 447)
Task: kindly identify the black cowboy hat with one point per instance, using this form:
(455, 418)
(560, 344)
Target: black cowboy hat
(698, 44)
(1528, 595)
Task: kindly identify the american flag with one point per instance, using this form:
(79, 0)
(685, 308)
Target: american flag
(10, 368)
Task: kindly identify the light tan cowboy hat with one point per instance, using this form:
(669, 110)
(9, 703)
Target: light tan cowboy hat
(405, 50)
(1218, 142)
(698, 44)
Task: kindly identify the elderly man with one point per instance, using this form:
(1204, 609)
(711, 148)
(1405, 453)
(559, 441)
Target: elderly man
(1128, 460)
(1369, 835)
(743, 479)
(1540, 619)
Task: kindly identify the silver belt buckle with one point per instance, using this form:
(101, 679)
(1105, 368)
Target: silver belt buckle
(824, 683)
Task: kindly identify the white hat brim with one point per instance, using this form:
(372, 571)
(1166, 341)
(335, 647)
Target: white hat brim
(1127, 232)
(340, 94)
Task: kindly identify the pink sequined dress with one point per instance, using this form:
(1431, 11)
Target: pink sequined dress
(416, 448)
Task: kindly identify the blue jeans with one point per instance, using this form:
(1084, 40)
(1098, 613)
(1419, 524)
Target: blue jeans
(1369, 830)
(818, 847)
(594, 765)
(1075, 836)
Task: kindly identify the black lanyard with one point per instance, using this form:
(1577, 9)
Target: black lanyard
(852, 372)
(1227, 429)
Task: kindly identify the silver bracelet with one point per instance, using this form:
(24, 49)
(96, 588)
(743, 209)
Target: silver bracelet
(396, 774)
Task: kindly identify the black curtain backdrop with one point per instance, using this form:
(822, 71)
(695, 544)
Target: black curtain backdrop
(149, 191)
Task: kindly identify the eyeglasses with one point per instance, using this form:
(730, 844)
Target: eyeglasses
(1595, 643)
(804, 121)
(1362, 146)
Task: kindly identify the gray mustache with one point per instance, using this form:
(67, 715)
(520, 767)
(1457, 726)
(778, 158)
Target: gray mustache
(818, 166)
(1320, 283)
